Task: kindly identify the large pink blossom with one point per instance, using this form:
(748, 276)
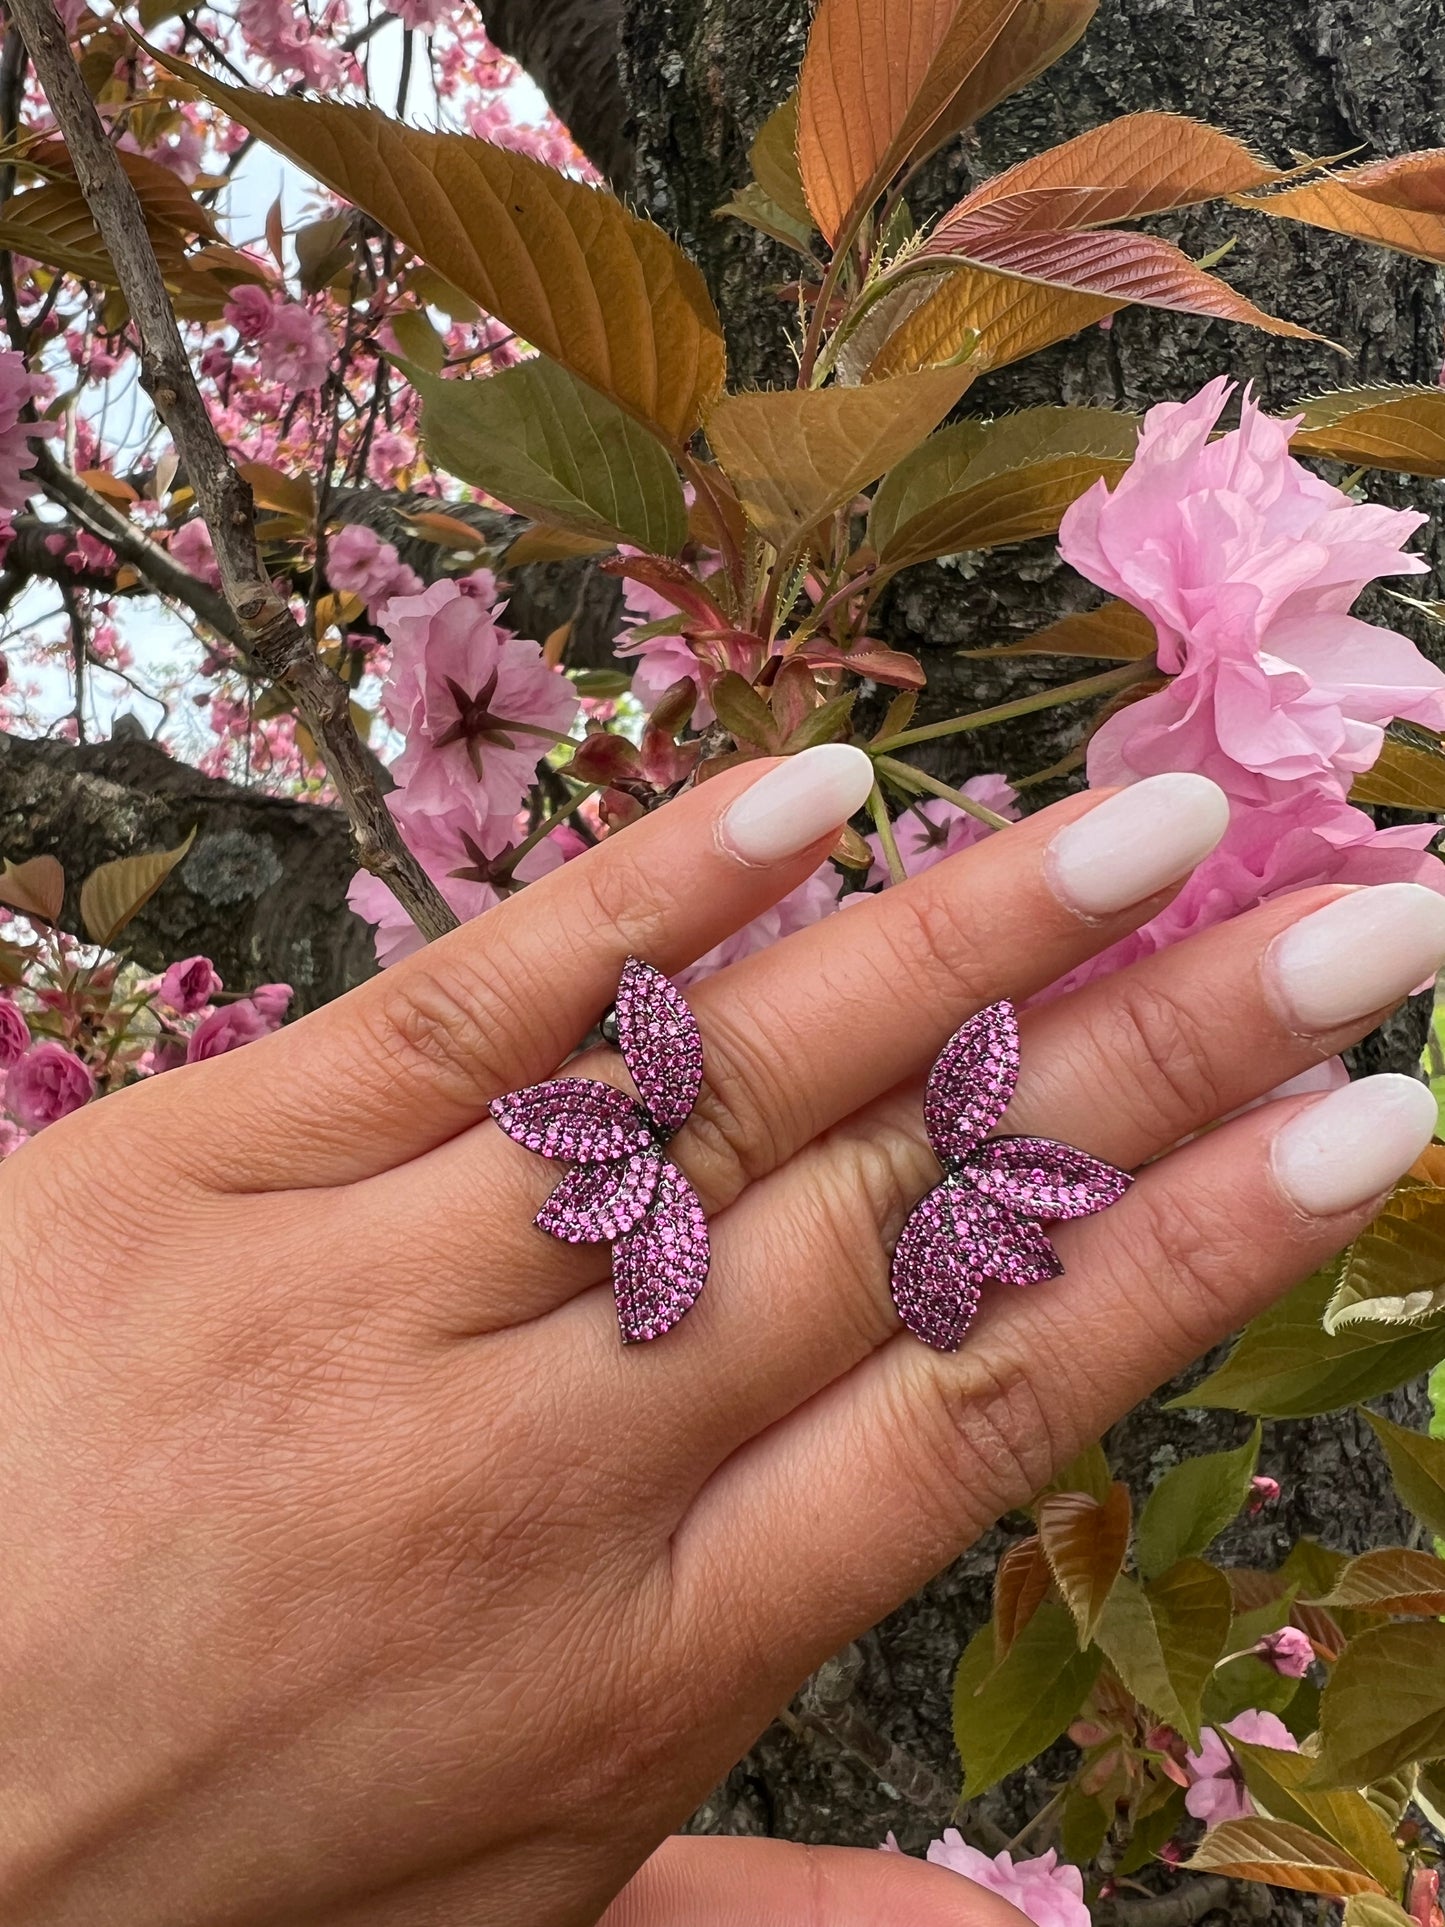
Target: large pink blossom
(1247, 564)
(296, 349)
(17, 387)
(188, 986)
(250, 310)
(192, 547)
(813, 899)
(1308, 836)
(359, 563)
(936, 828)
(1045, 1891)
(1216, 1785)
(478, 706)
(232, 1025)
(457, 851)
(45, 1085)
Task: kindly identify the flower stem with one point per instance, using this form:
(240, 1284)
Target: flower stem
(907, 777)
(549, 823)
(1069, 692)
(878, 810)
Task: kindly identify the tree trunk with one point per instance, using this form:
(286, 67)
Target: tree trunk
(1288, 77)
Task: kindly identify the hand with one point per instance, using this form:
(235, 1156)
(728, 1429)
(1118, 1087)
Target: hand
(356, 1573)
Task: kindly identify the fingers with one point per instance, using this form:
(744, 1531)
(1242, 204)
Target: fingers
(825, 1522)
(799, 1036)
(711, 1882)
(413, 1056)
(1123, 1068)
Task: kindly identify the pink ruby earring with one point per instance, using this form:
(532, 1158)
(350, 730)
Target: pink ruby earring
(623, 1190)
(985, 1220)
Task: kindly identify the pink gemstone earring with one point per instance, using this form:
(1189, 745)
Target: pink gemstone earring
(984, 1220)
(624, 1191)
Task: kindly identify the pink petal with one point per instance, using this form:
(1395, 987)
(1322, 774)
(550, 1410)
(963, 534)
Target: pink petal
(599, 1203)
(1044, 1179)
(934, 1286)
(574, 1118)
(661, 1043)
(971, 1083)
(659, 1268)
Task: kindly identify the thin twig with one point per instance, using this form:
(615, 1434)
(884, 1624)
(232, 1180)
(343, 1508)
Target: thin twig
(1070, 692)
(272, 638)
(878, 810)
(907, 777)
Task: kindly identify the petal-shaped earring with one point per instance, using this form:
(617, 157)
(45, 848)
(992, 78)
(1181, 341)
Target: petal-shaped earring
(984, 1220)
(623, 1190)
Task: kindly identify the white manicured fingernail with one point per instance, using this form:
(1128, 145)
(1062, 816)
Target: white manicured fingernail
(1137, 843)
(797, 803)
(1356, 955)
(1350, 1146)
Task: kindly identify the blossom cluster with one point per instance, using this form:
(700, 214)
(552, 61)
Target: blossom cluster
(79, 1025)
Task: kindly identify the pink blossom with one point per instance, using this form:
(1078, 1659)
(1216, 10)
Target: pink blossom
(296, 349)
(251, 310)
(46, 1084)
(1044, 1891)
(813, 899)
(1217, 1790)
(1308, 836)
(1247, 564)
(420, 15)
(478, 706)
(17, 387)
(282, 35)
(935, 828)
(663, 659)
(1262, 1492)
(359, 563)
(273, 1001)
(192, 547)
(227, 1029)
(14, 1033)
(457, 851)
(1287, 1652)
(11, 1137)
(188, 986)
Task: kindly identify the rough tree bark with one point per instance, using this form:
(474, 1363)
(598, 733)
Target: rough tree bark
(1287, 76)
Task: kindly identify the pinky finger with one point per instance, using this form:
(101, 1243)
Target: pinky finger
(700, 1881)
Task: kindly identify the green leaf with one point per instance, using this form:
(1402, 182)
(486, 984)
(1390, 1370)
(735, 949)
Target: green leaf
(794, 455)
(1397, 428)
(1151, 1830)
(751, 205)
(1085, 1543)
(1005, 1714)
(1089, 1473)
(1393, 1275)
(1192, 1504)
(1286, 1365)
(419, 340)
(1417, 1465)
(1279, 1781)
(1384, 1704)
(1165, 1637)
(114, 892)
(1375, 1910)
(554, 449)
(773, 158)
(742, 710)
(1083, 1826)
(1281, 1855)
(977, 486)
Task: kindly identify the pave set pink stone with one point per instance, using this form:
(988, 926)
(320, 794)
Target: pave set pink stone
(984, 1221)
(623, 1190)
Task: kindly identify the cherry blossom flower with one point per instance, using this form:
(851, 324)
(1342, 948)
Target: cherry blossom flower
(14, 1033)
(233, 1025)
(420, 15)
(45, 1085)
(1287, 1652)
(17, 387)
(273, 1001)
(295, 350)
(1217, 1790)
(1247, 564)
(251, 310)
(1048, 1893)
(279, 32)
(463, 856)
(188, 986)
(192, 547)
(478, 706)
(813, 899)
(935, 828)
(1308, 836)
(11, 1137)
(359, 563)
(1262, 1492)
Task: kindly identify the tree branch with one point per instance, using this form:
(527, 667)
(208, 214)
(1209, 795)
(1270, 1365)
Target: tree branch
(273, 639)
(1183, 1907)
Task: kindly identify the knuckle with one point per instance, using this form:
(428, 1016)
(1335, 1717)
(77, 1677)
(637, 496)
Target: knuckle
(1163, 1049)
(442, 1020)
(734, 1134)
(1195, 1242)
(933, 937)
(990, 1433)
